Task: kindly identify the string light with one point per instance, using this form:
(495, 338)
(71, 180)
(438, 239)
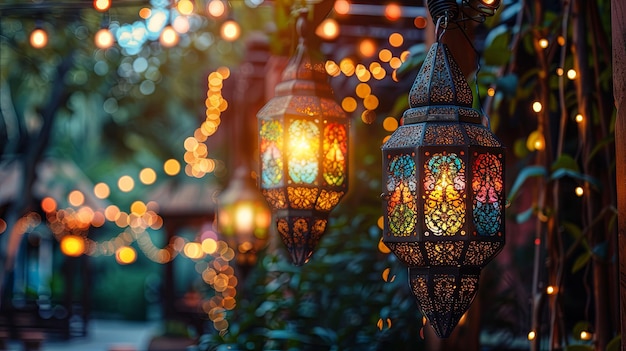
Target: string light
(169, 37)
(579, 118)
(104, 38)
(532, 335)
(38, 38)
(393, 12)
(585, 335)
(101, 5)
(230, 30)
(571, 74)
(543, 43)
(579, 191)
(342, 7)
(328, 29)
(537, 106)
(550, 290)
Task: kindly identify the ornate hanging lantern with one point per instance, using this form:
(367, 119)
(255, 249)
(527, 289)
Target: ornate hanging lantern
(244, 217)
(303, 136)
(443, 191)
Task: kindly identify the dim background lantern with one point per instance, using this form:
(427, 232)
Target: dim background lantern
(443, 191)
(303, 146)
(244, 217)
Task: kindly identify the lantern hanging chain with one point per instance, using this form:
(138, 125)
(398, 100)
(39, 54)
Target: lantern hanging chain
(486, 121)
(443, 25)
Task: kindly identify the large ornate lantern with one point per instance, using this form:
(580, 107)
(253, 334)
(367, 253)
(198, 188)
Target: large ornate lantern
(303, 137)
(443, 191)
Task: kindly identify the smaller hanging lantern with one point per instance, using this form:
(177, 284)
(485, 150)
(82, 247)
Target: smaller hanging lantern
(443, 191)
(303, 136)
(243, 218)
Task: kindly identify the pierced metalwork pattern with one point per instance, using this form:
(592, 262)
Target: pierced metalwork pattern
(405, 136)
(420, 290)
(482, 136)
(420, 94)
(335, 153)
(275, 107)
(443, 134)
(407, 252)
(444, 253)
(469, 287)
(301, 235)
(303, 143)
(440, 81)
(401, 188)
(275, 198)
(328, 200)
(271, 144)
(480, 253)
(444, 194)
(302, 198)
(330, 109)
(306, 105)
(487, 186)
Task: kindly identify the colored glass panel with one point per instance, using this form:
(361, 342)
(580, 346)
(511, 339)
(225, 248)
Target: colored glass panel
(402, 187)
(487, 186)
(302, 151)
(335, 152)
(271, 144)
(444, 186)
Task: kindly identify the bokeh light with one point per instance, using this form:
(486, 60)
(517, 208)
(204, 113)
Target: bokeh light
(367, 47)
(125, 255)
(169, 37)
(216, 8)
(72, 245)
(147, 176)
(171, 167)
(38, 38)
(393, 12)
(230, 30)
(101, 190)
(328, 29)
(76, 198)
(342, 7)
(396, 39)
(48, 204)
(104, 38)
(101, 5)
(125, 183)
(185, 7)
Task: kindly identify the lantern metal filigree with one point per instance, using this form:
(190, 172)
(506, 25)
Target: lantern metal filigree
(303, 145)
(443, 191)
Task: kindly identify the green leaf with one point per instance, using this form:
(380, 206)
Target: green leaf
(525, 215)
(576, 232)
(614, 344)
(581, 261)
(497, 51)
(524, 174)
(562, 172)
(508, 84)
(565, 161)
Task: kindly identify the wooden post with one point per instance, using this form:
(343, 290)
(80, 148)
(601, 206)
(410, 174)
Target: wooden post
(618, 23)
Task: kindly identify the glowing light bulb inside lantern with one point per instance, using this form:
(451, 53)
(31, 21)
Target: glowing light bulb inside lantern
(244, 218)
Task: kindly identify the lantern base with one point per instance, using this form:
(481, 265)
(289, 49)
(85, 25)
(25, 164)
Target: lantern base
(444, 294)
(301, 234)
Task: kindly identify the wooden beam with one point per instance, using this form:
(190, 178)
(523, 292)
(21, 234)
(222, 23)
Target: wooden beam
(618, 23)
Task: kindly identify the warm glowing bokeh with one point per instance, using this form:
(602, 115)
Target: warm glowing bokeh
(101, 5)
(125, 255)
(72, 245)
(328, 29)
(38, 38)
(104, 38)
(230, 31)
(169, 37)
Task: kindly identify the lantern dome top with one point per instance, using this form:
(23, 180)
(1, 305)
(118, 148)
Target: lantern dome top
(440, 91)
